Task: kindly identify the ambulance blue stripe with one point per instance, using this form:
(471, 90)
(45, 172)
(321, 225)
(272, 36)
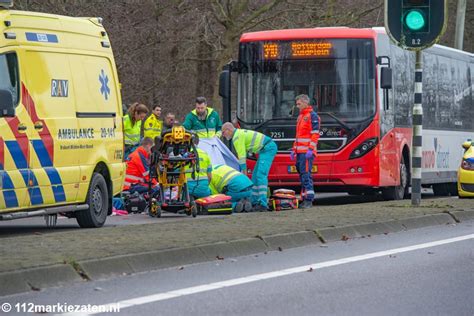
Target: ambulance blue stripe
(10, 199)
(7, 181)
(53, 174)
(17, 154)
(9, 194)
(42, 153)
(56, 184)
(34, 191)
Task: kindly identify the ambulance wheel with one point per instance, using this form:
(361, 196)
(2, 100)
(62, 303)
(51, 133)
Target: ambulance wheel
(98, 200)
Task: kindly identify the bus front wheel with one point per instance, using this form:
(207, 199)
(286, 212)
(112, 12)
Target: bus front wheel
(400, 191)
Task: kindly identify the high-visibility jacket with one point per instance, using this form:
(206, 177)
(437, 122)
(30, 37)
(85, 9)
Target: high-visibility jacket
(247, 141)
(222, 175)
(205, 166)
(207, 128)
(138, 168)
(131, 134)
(152, 127)
(307, 131)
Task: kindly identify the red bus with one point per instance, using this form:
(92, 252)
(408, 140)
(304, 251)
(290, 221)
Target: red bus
(361, 85)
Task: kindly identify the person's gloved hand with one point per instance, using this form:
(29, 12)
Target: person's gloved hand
(309, 154)
(292, 155)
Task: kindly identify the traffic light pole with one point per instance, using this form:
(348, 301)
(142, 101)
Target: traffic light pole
(417, 133)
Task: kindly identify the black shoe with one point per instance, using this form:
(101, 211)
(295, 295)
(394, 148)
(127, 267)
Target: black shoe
(306, 204)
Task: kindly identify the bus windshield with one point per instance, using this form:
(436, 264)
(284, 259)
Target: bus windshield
(338, 75)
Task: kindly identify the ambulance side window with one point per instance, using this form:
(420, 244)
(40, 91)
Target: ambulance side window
(9, 75)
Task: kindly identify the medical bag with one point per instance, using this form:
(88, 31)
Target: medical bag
(218, 204)
(135, 202)
(283, 199)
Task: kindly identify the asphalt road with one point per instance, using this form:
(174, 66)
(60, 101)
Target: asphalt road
(419, 272)
(36, 225)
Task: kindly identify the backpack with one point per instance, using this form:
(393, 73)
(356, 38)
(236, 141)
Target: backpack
(283, 199)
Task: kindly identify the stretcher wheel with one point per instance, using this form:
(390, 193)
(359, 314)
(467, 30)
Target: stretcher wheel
(194, 210)
(155, 210)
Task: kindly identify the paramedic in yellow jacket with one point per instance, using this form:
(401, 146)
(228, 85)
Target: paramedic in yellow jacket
(199, 186)
(152, 126)
(132, 123)
(246, 141)
(238, 186)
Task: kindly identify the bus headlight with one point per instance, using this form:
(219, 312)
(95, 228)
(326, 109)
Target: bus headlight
(364, 148)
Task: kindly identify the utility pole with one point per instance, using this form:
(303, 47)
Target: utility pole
(460, 18)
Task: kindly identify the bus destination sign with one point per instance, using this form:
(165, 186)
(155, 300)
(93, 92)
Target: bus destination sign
(297, 50)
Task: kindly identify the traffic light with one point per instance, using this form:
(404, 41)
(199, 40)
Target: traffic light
(415, 24)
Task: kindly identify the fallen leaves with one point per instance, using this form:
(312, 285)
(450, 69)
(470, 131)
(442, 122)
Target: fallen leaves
(219, 257)
(310, 269)
(345, 238)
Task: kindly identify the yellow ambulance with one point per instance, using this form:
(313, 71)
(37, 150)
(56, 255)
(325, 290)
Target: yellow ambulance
(61, 137)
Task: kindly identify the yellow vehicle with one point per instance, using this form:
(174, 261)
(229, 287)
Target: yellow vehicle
(466, 172)
(61, 138)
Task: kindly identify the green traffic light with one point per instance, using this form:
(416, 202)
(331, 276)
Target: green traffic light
(415, 20)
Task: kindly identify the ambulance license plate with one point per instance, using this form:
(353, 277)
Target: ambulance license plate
(292, 169)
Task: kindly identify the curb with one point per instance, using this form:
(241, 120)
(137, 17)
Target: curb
(20, 281)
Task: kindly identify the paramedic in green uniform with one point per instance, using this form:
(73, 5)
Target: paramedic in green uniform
(246, 141)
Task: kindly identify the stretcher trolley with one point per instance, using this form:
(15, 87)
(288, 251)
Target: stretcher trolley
(173, 155)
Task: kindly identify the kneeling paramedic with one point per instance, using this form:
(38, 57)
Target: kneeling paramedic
(138, 169)
(228, 181)
(247, 141)
(304, 147)
(199, 186)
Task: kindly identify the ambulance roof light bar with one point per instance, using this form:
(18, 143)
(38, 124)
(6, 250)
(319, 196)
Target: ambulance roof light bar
(5, 4)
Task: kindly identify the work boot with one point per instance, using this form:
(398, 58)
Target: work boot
(247, 205)
(306, 204)
(239, 207)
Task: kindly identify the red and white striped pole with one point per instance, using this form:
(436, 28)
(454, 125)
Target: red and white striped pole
(417, 133)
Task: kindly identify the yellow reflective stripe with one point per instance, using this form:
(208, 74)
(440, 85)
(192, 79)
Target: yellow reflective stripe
(226, 177)
(252, 143)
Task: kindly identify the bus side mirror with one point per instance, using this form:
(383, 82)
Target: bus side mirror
(386, 78)
(7, 108)
(224, 83)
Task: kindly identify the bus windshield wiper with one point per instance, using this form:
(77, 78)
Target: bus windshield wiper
(274, 119)
(336, 119)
